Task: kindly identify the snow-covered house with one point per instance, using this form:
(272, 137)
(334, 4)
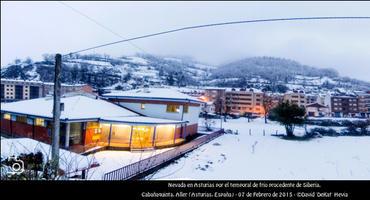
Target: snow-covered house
(165, 103)
(317, 110)
(208, 107)
(87, 122)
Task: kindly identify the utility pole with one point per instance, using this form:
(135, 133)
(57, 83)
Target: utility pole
(56, 117)
(221, 108)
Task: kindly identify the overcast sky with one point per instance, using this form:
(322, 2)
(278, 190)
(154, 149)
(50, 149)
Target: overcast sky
(30, 29)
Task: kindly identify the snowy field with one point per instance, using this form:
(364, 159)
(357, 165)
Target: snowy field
(255, 156)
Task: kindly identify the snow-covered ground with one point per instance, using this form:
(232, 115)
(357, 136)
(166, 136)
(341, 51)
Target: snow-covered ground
(255, 156)
(69, 161)
(112, 160)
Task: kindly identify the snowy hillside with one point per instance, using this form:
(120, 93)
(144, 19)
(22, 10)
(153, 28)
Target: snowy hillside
(262, 71)
(127, 72)
(103, 71)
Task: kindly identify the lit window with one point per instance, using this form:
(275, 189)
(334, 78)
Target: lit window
(186, 108)
(142, 106)
(39, 122)
(173, 108)
(6, 116)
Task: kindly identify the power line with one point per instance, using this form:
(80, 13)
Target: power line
(101, 25)
(216, 24)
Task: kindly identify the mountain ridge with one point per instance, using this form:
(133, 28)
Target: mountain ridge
(127, 72)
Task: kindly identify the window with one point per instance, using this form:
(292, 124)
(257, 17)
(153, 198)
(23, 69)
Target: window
(164, 135)
(29, 121)
(142, 106)
(173, 108)
(186, 108)
(22, 119)
(6, 116)
(34, 92)
(19, 92)
(39, 122)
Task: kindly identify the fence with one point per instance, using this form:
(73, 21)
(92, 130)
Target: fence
(137, 168)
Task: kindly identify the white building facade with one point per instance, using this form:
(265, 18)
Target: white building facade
(162, 103)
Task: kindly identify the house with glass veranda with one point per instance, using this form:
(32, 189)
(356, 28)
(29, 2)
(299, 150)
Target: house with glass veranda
(164, 103)
(87, 122)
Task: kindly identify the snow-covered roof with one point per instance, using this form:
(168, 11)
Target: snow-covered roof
(295, 92)
(316, 105)
(40, 82)
(140, 120)
(152, 94)
(230, 89)
(77, 107)
(255, 90)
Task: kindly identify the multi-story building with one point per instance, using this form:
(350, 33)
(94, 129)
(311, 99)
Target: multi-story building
(310, 98)
(14, 90)
(276, 99)
(364, 104)
(244, 101)
(344, 106)
(296, 97)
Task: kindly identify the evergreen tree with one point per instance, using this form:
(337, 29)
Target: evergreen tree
(289, 115)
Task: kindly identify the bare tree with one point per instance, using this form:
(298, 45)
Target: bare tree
(267, 104)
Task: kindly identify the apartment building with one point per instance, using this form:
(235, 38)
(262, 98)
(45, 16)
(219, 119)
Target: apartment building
(12, 90)
(364, 104)
(242, 101)
(310, 98)
(296, 97)
(344, 106)
(15, 90)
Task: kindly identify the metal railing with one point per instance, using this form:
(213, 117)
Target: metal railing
(135, 169)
